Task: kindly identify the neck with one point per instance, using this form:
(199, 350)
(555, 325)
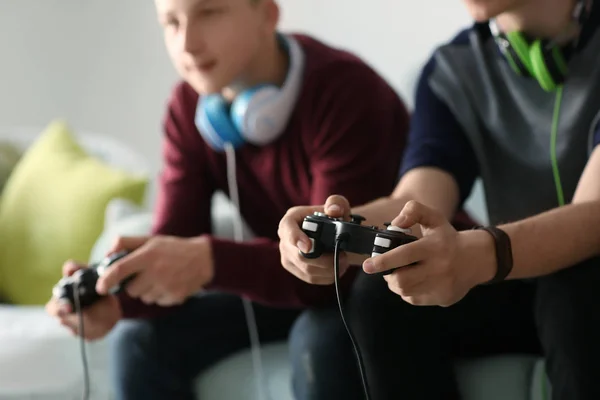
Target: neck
(541, 19)
(270, 65)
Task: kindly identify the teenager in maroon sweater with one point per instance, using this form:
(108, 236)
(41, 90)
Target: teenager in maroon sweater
(346, 134)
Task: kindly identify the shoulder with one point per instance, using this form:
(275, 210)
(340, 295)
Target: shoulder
(460, 63)
(179, 125)
(462, 43)
(182, 101)
(331, 69)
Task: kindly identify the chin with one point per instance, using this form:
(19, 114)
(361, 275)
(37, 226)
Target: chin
(483, 10)
(480, 15)
(204, 86)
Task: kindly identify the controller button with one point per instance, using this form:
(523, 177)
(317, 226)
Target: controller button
(312, 245)
(357, 219)
(382, 242)
(397, 229)
(77, 275)
(310, 226)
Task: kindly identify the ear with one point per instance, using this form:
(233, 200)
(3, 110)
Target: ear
(272, 14)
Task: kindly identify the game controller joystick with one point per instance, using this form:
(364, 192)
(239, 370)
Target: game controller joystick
(84, 281)
(324, 231)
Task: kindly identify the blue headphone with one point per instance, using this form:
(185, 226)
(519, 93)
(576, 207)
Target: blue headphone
(258, 115)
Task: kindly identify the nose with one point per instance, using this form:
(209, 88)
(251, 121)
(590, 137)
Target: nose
(192, 40)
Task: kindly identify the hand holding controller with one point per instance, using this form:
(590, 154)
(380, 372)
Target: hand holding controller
(84, 281)
(324, 231)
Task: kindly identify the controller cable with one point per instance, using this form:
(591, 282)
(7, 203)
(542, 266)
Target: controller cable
(336, 275)
(238, 235)
(79, 312)
(248, 310)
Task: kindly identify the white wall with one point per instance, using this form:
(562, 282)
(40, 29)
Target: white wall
(101, 63)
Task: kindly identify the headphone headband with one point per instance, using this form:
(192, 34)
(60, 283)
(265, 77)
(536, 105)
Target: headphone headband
(258, 115)
(544, 59)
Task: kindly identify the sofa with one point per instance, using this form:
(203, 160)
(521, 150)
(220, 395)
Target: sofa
(41, 360)
(514, 377)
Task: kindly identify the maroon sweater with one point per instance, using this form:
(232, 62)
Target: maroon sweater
(346, 136)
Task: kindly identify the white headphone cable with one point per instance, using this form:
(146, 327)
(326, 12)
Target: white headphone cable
(238, 234)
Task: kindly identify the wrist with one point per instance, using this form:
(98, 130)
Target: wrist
(502, 251)
(478, 248)
(204, 256)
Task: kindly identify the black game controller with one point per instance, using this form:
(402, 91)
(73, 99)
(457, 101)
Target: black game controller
(84, 280)
(324, 231)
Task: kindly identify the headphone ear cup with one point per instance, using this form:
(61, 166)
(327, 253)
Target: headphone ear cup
(518, 53)
(255, 114)
(540, 67)
(214, 124)
(240, 108)
(549, 66)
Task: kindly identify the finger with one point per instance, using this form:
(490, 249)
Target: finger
(70, 267)
(414, 212)
(123, 268)
(325, 262)
(301, 274)
(139, 285)
(70, 321)
(169, 301)
(64, 308)
(409, 281)
(52, 307)
(404, 255)
(151, 296)
(337, 206)
(129, 243)
(289, 230)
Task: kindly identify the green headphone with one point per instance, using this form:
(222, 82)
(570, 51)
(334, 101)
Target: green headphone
(541, 59)
(546, 62)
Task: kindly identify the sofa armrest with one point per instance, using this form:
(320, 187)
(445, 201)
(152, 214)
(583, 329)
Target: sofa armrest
(222, 218)
(122, 218)
(138, 224)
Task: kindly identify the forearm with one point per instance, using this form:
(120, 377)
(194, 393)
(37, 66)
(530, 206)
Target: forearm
(429, 186)
(253, 270)
(554, 240)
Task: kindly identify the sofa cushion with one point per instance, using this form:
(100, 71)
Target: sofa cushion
(40, 359)
(512, 376)
(52, 209)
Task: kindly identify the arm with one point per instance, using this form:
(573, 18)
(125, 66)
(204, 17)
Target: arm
(346, 148)
(451, 263)
(185, 184)
(439, 166)
(568, 235)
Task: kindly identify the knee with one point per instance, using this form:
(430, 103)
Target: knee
(572, 285)
(323, 364)
(317, 341)
(313, 333)
(129, 343)
(568, 297)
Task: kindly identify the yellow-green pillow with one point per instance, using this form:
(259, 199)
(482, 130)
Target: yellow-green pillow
(9, 156)
(52, 209)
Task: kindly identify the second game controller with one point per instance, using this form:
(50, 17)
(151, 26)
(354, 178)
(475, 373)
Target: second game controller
(324, 231)
(84, 282)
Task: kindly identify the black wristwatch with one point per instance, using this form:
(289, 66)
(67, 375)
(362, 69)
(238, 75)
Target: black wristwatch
(504, 259)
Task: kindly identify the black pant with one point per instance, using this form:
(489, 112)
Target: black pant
(161, 358)
(409, 351)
